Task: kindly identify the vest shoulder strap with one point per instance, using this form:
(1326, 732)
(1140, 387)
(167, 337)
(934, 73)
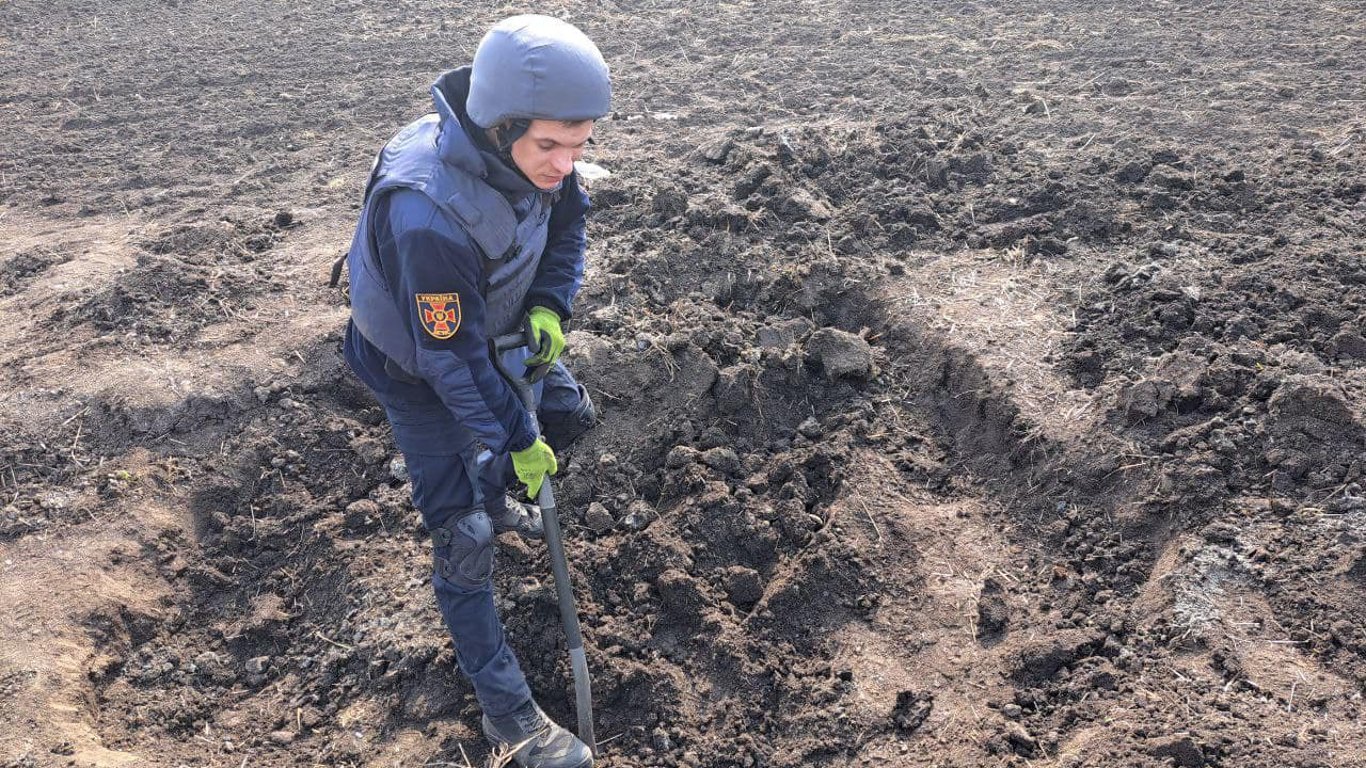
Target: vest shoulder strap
(412, 160)
(483, 212)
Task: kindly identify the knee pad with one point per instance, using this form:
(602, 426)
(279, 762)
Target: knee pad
(463, 551)
(562, 428)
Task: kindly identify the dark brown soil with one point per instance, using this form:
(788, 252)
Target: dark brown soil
(982, 384)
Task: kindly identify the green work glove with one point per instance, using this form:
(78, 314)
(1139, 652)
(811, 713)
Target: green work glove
(533, 464)
(545, 325)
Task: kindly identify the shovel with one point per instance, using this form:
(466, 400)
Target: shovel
(554, 541)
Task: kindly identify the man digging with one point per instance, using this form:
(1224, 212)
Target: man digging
(473, 227)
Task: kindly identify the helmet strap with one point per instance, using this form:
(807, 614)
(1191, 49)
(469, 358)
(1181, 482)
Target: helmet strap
(506, 133)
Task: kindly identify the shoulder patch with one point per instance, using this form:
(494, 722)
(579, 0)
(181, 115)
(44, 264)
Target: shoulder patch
(440, 314)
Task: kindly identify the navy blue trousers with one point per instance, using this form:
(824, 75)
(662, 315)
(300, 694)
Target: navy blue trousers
(449, 483)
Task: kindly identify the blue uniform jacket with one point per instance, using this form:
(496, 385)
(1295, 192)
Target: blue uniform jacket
(422, 251)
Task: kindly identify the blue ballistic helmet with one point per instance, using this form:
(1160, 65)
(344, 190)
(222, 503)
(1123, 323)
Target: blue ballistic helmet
(534, 67)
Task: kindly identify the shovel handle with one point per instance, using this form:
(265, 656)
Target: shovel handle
(506, 343)
(516, 340)
(554, 537)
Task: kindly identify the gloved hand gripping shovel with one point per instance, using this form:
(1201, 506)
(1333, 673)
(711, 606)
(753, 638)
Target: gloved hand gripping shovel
(554, 542)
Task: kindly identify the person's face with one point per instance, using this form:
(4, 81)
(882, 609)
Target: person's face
(547, 151)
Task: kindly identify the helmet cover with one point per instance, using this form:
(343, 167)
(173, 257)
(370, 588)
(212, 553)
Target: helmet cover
(533, 67)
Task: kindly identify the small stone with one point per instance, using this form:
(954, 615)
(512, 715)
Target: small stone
(921, 217)
(638, 516)
(1021, 741)
(671, 202)
(1118, 86)
(717, 151)
(1133, 172)
(806, 205)
(1171, 179)
(743, 585)
(840, 354)
(782, 334)
(772, 338)
(911, 710)
(398, 469)
(993, 613)
(52, 500)
(1182, 750)
(681, 594)
(661, 741)
(515, 548)
(590, 172)
(811, 428)
(722, 460)
(370, 450)
(257, 665)
(598, 519)
(679, 456)
(361, 512)
(1348, 343)
(282, 737)
(936, 171)
(1012, 711)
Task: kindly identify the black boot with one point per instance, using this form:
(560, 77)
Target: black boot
(525, 519)
(536, 741)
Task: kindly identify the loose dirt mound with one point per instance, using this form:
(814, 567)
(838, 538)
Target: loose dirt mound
(976, 390)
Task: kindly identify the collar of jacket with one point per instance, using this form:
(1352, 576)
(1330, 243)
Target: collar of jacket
(455, 145)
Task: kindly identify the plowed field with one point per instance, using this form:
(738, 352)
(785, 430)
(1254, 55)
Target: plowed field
(983, 384)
